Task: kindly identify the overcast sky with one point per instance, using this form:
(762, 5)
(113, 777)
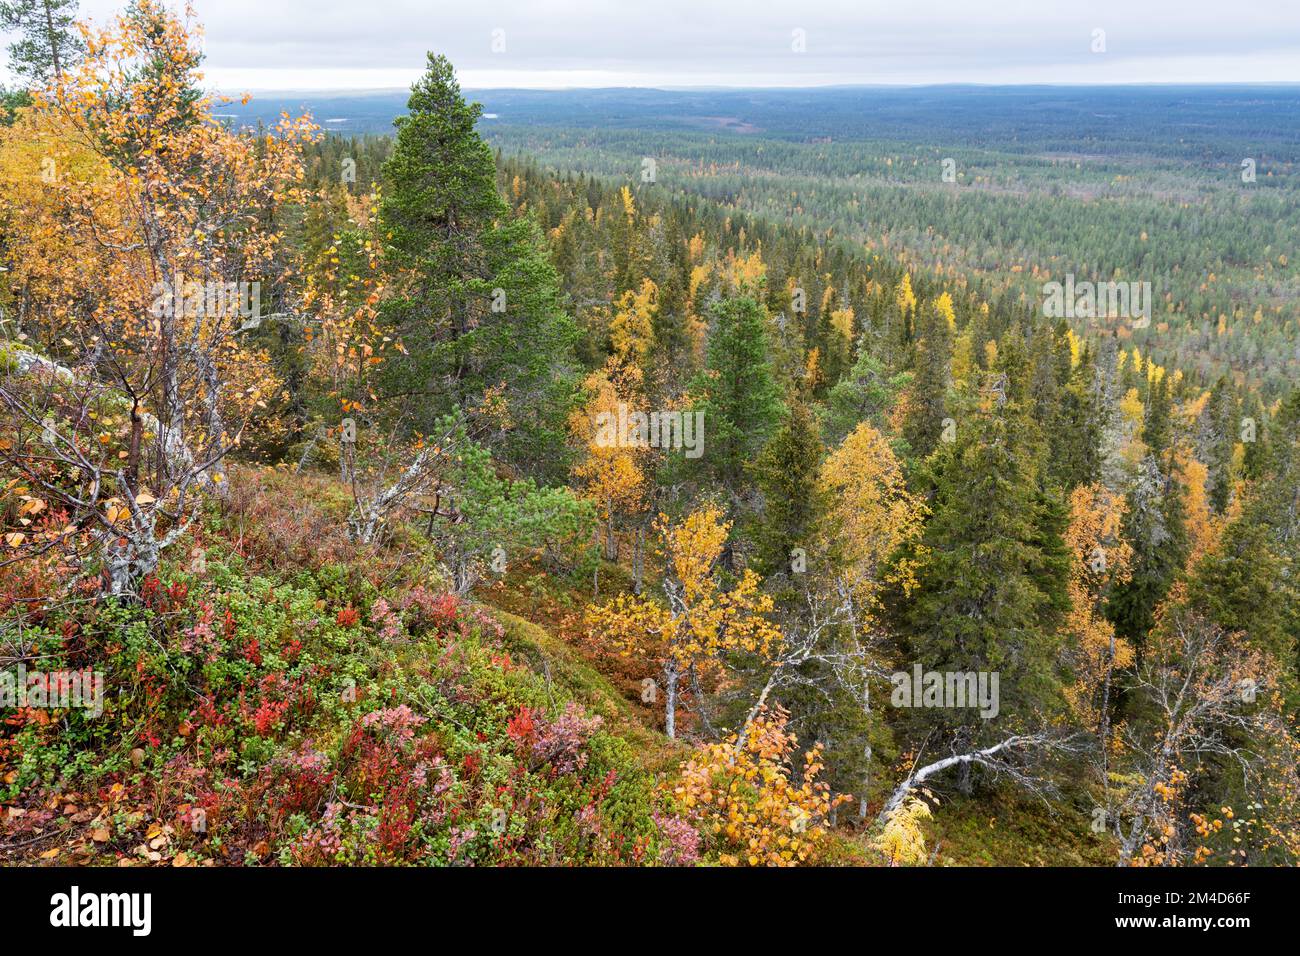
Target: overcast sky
(375, 44)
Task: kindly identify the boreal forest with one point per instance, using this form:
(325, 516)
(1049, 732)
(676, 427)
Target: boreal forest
(627, 478)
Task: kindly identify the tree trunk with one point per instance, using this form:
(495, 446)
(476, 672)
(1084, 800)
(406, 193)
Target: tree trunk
(170, 415)
(214, 421)
(346, 451)
(964, 783)
(671, 676)
(306, 454)
(1103, 729)
(133, 455)
(866, 756)
(54, 44)
(917, 777)
(638, 560)
(611, 542)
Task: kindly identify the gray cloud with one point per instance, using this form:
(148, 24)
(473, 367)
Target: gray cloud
(374, 43)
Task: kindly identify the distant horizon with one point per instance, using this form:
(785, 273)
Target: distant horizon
(367, 91)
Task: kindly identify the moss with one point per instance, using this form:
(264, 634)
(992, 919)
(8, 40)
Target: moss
(8, 356)
(1008, 828)
(564, 666)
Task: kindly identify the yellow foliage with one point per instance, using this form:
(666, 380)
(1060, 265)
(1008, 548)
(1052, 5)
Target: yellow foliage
(842, 322)
(1203, 526)
(632, 328)
(871, 515)
(703, 618)
(963, 359)
(745, 801)
(1099, 559)
(745, 273)
(904, 297)
(902, 841)
(120, 195)
(612, 473)
(1130, 406)
(943, 306)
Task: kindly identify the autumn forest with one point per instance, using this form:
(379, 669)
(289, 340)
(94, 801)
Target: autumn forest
(513, 485)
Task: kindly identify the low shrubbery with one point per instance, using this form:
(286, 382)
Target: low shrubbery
(259, 710)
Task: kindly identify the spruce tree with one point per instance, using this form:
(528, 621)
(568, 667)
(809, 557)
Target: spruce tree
(1154, 526)
(741, 403)
(478, 304)
(1221, 424)
(867, 394)
(786, 473)
(928, 406)
(47, 45)
(1075, 434)
(990, 576)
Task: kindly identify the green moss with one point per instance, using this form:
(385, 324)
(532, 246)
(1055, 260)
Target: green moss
(564, 666)
(1008, 828)
(8, 356)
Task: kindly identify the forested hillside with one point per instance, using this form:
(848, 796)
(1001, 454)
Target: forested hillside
(403, 500)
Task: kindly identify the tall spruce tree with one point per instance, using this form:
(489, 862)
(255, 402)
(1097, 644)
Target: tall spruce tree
(928, 404)
(867, 393)
(1276, 509)
(1152, 528)
(1221, 427)
(478, 303)
(47, 45)
(786, 472)
(1075, 434)
(989, 577)
(741, 403)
